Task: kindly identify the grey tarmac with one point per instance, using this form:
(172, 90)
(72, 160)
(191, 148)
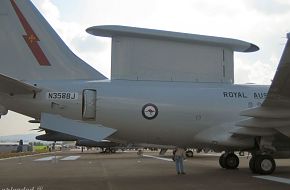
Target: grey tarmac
(126, 170)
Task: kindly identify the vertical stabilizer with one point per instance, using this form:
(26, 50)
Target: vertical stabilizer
(31, 50)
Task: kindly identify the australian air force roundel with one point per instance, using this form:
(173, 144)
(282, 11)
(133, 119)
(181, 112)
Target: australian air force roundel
(149, 111)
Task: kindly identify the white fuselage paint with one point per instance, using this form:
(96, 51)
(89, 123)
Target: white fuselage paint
(192, 114)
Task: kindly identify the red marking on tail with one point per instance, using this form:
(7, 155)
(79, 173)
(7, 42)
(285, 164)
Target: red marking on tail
(31, 38)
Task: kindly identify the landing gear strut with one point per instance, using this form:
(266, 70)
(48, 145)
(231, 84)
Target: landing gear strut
(229, 161)
(262, 164)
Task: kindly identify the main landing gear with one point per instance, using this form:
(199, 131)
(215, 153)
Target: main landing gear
(262, 164)
(259, 164)
(229, 161)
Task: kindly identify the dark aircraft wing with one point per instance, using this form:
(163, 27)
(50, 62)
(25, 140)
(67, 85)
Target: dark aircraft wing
(273, 115)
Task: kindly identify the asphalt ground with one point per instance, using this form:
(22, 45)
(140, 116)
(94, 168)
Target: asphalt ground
(125, 170)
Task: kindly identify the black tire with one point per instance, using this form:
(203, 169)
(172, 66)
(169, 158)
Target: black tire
(232, 161)
(222, 161)
(252, 165)
(189, 153)
(265, 164)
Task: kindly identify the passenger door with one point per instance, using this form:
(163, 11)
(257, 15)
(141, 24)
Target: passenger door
(89, 104)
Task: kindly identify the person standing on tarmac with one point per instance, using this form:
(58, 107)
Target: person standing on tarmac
(178, 157)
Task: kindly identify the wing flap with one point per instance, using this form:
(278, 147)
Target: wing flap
(264, 123)
(284, 130)
(267, 112)
(13, 86)
(80, 129)
(253, 131)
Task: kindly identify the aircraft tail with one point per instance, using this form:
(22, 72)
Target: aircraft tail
(31, 50)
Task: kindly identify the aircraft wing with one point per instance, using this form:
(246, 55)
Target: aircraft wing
(13, 86)
(71, 127)
(273, 115)
(279, 92)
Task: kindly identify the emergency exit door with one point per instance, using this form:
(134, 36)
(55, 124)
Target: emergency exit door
(89, 104)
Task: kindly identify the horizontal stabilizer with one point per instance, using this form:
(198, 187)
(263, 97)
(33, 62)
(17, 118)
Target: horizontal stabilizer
(75, 128)
(13, 86)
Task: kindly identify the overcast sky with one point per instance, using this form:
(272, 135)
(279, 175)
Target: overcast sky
(264, 23)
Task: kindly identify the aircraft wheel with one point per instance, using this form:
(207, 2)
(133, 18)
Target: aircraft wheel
(107, 150)
(113, 150)
(231, 161)
(189, 153)
(252, 164)
(222, 160)
(265, 164)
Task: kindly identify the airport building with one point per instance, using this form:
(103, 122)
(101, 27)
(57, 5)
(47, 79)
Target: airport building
(13, 147)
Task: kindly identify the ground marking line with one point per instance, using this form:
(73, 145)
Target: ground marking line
(273, 178)
(15, 157)
(47, 158)
(71, 158)
(159, 158)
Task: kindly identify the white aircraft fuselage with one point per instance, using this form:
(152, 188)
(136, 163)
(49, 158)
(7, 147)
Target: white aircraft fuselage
(40, 77)
(187, 113)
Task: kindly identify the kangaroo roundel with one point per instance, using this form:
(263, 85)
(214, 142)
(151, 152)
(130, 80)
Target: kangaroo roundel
(149, 111)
